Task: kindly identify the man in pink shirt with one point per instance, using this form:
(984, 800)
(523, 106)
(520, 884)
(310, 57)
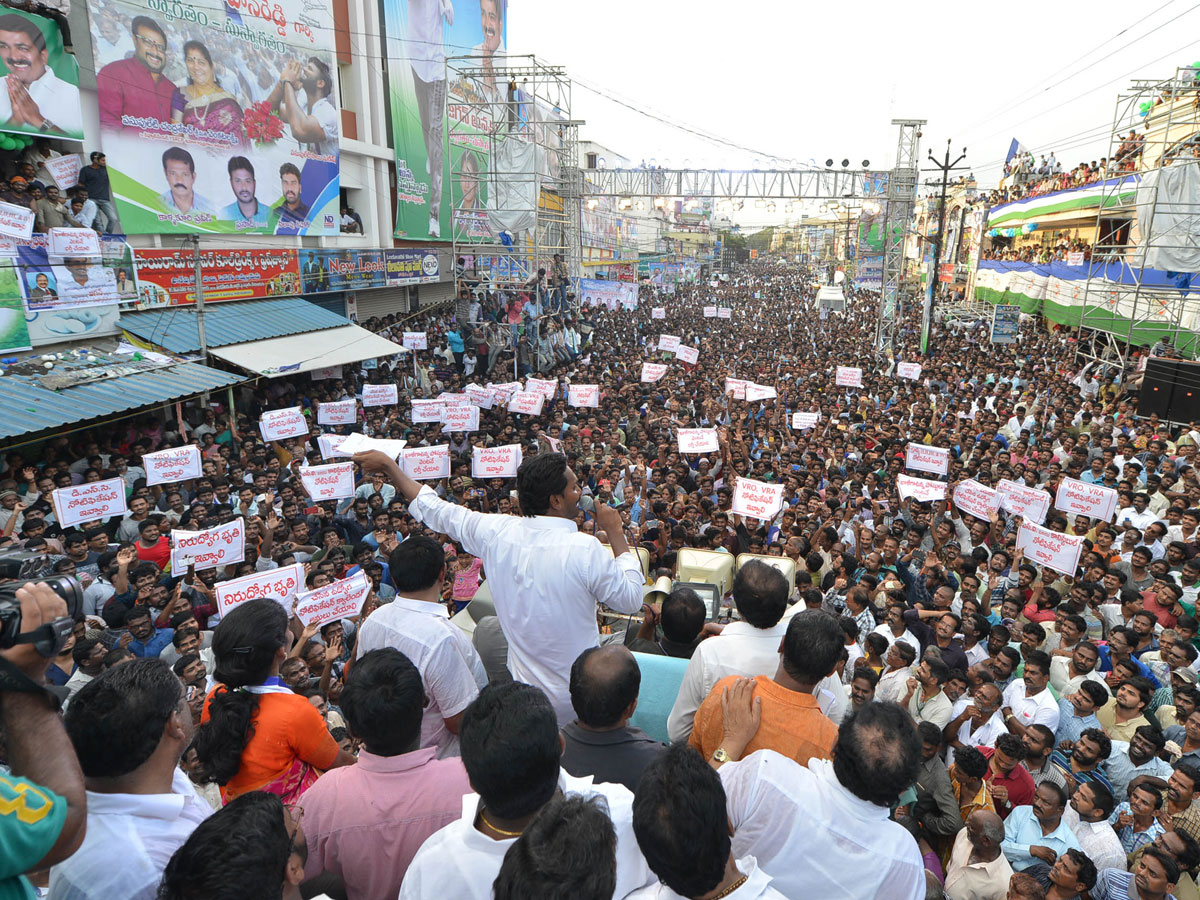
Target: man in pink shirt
(365, 822)
(133, 91)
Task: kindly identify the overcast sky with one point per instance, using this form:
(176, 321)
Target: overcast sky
(813, 81)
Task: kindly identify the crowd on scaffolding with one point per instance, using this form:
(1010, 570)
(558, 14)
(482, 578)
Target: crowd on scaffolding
(956, 655)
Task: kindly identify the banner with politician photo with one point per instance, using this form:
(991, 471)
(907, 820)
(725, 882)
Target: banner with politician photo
(39, 93)
(437, 182)
(219, 116)
(51, 283)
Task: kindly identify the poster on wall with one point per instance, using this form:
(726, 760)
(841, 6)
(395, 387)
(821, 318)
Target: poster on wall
(609, 294)
(14, 333)
(168, 277)
(54, 283)
(40, 77)
(439, 183)
(219, 116)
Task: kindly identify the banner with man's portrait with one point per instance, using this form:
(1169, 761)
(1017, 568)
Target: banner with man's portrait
(439, 183)
(39, 90)
(219, 116)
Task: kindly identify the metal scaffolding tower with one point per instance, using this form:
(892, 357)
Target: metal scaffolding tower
(516, 198)
(1146, 229)
(898, 214)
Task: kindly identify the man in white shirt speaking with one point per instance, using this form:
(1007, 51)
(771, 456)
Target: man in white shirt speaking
(546, 577)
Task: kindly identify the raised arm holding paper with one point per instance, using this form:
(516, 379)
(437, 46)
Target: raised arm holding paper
(546, 577)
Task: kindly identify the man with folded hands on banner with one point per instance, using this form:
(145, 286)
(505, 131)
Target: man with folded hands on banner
(546, 577)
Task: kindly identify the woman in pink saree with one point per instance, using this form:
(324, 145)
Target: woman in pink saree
(206, 105)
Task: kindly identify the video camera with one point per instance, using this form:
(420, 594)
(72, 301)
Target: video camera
(20, 567)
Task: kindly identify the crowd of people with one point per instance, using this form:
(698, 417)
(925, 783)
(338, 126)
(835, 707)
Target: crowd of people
(891, 701)
(1060, 251)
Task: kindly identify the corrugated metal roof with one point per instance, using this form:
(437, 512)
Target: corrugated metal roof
(27, 408)
(231, 322)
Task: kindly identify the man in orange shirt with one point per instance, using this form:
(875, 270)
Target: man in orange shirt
(792, 722)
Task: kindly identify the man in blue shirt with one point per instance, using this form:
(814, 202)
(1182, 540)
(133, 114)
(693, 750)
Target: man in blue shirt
(143, 639)
(1037, 832)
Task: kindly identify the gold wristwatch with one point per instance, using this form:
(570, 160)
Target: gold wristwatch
(721, 756)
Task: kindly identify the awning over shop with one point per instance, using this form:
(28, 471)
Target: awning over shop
(305, 352)
(27, 407)
(174, 328)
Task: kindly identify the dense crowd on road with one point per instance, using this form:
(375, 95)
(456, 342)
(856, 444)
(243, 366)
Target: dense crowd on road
(901, 695)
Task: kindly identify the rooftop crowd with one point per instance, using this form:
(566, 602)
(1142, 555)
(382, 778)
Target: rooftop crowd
(920, 711)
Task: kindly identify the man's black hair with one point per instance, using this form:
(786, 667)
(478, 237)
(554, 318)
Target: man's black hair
(604, 682)
(568, 852)
(878, 753)
(510, 748)
(812, 645)
(178, 154)
(681, 822)
(249, 837)
(682, 617)
(538, 479)
(117, 719)
(417, 564)
(383, 702)
(240, 162)
(760, 593)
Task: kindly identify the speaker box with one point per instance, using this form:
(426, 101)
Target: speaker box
(1171, 389)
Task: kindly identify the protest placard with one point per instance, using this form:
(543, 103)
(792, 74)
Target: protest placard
(689, 355)
(334, 482)
(848, 376)
(279, 584)
(359, 443)
(380, 395)
(479, 396)
(547, 387)
(1044, 547)
(280, 424)
(427, 411)
(220, 546)
(85, 502)
(760, 392)
(583, 395)
(340, 412)
(495, 462)
(1029, 503)
(924, 458)
(908, 370)
(16, 221)
(724, 312)
(801, 420)
(698, 440)
(710, 312)
(658, 312)
(460, 418)
(169, 466)
(668, 343)
(326, 373)
(736, 388)
(331, 445)
(922, 490)
(976, 499)
(459, 398)
(340, 600)
(66, 242)
(757, 499)
(426, 463)
(64, 169)
(527, 403)
(1085, 499)
(415, 340)
(652, 372)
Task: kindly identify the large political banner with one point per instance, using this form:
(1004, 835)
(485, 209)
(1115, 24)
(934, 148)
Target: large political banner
(611, 294)
(55, 283)
(14, 333)
(219, 116)
(39, 93)
(438, 183)
(168, 277)
(341, 270)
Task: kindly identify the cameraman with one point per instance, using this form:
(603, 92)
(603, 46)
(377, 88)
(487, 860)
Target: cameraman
(43, 808)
